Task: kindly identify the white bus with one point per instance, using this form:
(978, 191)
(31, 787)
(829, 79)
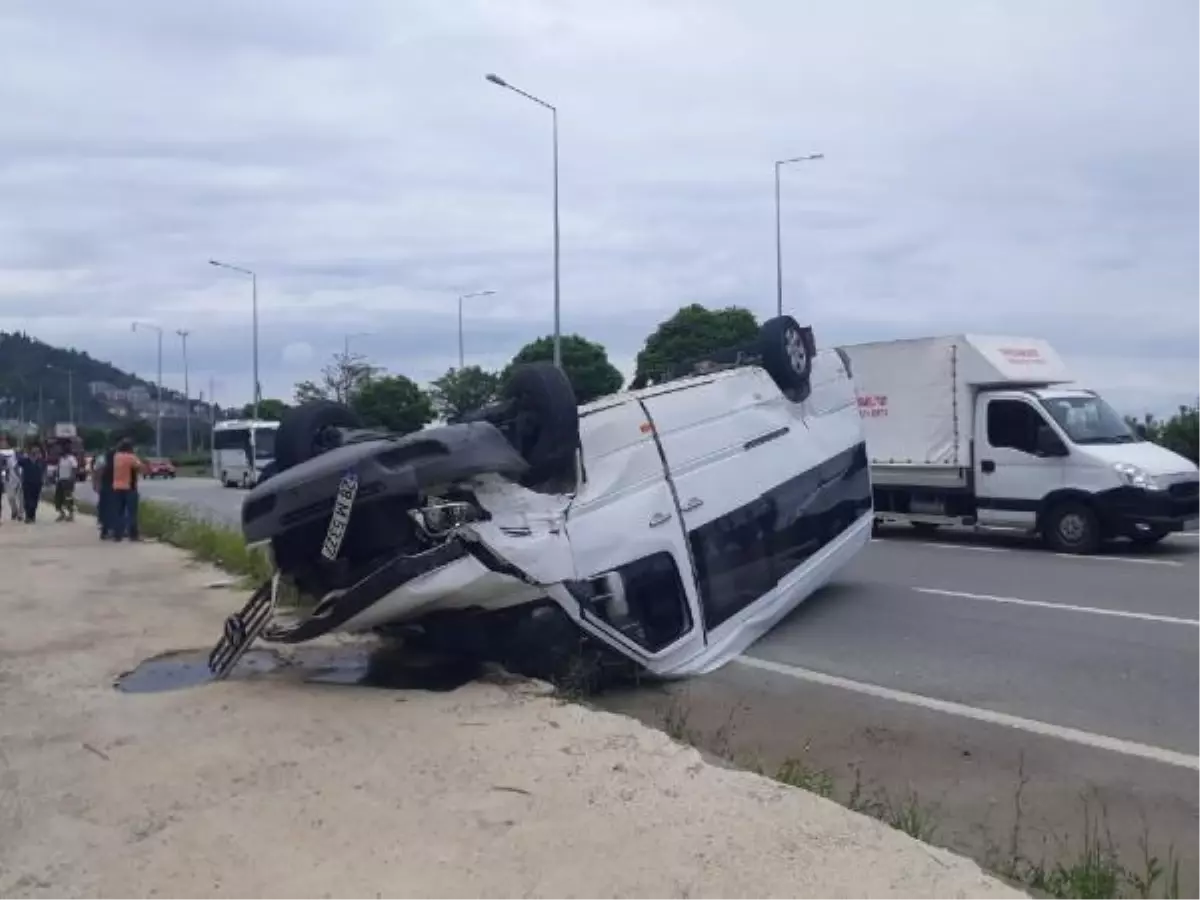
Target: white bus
(235, 443)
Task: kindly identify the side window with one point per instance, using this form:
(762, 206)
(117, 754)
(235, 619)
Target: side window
(1013, 424)
(745, 553)
(644, 600)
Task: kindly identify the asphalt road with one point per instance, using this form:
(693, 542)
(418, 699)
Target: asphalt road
(957, 668)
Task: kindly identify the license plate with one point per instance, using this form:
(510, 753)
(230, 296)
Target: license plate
(243, 628)
(340, 520)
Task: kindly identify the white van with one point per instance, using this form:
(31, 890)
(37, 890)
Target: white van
(989, 430)
(673, 525)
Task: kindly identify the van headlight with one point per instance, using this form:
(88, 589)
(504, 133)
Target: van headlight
(1136, 477)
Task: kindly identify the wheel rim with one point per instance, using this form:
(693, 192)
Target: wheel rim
(1072, 528)
(797, 355)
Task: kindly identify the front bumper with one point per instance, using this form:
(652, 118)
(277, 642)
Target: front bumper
(1130, 511)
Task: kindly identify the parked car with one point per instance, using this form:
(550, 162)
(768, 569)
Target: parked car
(669, 526)
(159, 468)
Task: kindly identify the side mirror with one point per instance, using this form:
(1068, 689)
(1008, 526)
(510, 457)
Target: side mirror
(1140, 430)
(1048, 443)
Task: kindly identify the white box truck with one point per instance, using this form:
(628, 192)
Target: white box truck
(987, 430)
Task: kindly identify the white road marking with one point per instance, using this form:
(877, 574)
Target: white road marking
(1074, 735)
(1123, 559)
(964, 547)
(1066, 607)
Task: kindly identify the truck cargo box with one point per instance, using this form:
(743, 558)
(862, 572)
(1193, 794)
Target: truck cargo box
(916, 397)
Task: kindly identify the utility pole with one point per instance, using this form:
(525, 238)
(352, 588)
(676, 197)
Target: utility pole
(187, 396)
(41, 411)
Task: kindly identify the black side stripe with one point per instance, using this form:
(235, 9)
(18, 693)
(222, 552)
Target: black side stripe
(765, 438)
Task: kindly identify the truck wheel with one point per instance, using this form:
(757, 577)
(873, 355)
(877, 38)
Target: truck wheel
(308, 431)
(1072, 527)
(787, 350)
(545, 430)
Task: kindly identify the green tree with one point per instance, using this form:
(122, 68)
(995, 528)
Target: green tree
(269, 409)
(139, 431)
(94, 439)
(393, 402)
(1181, 432)
(465, 390)
(691, 333)
(585, 362)
(341, 379)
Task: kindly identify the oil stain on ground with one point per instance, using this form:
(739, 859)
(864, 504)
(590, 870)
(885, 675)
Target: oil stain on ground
(388, 667)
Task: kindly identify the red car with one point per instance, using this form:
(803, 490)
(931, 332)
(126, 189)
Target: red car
(159, 468)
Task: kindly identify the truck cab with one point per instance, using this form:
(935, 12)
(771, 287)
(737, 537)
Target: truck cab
(1064, 462)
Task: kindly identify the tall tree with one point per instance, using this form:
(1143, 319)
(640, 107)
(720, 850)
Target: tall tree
(691, 333)
(585, 362)
(340, 380)
(267, 409)
(393, 402)
(464, 390)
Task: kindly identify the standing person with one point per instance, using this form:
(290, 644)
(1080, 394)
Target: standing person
(125, 469)
(12, 485)
(102, 484)
(33, 474)
(64, 487)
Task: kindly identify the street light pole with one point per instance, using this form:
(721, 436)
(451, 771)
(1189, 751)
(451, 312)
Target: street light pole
(254, 319)
(497, 80)
(346, 341)
(187, 393)
(158, 388)
(461, 298)
(779, 164)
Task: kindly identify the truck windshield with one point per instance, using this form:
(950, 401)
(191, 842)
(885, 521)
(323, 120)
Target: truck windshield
(1088, 420)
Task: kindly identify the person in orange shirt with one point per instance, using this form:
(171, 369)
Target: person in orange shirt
(126, 466)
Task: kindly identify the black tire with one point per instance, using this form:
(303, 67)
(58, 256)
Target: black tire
(306, 431)
(787, 351)
(545, 428)
(1072, 527)
(925, 528)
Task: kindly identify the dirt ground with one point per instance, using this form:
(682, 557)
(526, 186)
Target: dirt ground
(277, 784)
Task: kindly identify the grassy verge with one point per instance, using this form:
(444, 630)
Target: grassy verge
(207, 541)
(1084, 863)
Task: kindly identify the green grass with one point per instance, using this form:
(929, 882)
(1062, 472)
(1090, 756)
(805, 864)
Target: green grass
(220, 545)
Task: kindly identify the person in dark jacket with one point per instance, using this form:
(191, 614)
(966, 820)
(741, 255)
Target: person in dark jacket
(102, 483)
(33, 474)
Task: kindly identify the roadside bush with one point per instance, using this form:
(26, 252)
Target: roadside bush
(208, 541)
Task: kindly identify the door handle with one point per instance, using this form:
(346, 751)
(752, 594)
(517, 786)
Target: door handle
(692, 503)
(987, 465)
(659, 518)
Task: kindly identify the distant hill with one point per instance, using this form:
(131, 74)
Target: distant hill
(103, 395)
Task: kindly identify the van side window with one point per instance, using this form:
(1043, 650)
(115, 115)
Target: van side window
(1013, 424)
(653, 611)
(749, 550)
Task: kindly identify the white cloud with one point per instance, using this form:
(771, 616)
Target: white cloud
(1015, 166)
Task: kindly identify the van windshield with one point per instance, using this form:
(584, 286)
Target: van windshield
(1088, 419)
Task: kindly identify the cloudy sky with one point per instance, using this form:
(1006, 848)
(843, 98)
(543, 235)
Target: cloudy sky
(1021, 167)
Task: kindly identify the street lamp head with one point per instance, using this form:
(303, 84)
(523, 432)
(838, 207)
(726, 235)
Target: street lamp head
(496, 79)
(213, 262)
